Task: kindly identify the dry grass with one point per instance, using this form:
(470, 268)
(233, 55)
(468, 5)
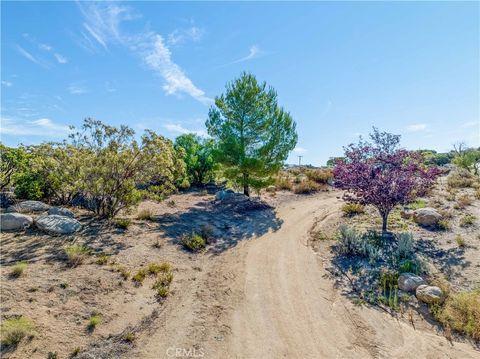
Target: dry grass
(283, 183)
(461, 312)
(193, 242)
(77, 254)
(463, 202)
(459, 179)
(122, 223)
(12, 331)
(306, 187)
(18, 269)
(468, 220)
(145, 215)
(319, 175)
(352, 209)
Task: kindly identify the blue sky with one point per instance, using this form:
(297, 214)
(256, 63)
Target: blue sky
(410, 68)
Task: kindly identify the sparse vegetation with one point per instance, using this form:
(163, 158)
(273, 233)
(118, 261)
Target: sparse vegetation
(15, 329)
(18, 269)
(306, 187)
(352, 209)
(193, 242)
(122, 223)
(460, 241)
(145, 215)
(77, 254)
(319, 175)
(468, 220)
(102, 259)
(283, 183)
(129, 337)
(443, 224)
(139, 277)
(419, 203)
(463, 202)
(94, 320)
(124, 272)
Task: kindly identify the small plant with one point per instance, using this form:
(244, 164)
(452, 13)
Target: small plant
(460, 241)
(52, 355)
(139, 277)
(124, 272)
(306, 187)
(12, 331)
(468, 220)
(352, 209)
(405, 245)
(94, 320)
(129, 337)
(477, 193)
(102, 259)
(145, 215)
(154, 268)
(76, 254)
(18, 269)
(463, 202)
(319, 175)
(164, 279)
(75, 352)
(417, 204)
(171, 204)
(388, 281)
(122, 223)
(321, 236)
(162, 292)
(443, 224)
(193, 242)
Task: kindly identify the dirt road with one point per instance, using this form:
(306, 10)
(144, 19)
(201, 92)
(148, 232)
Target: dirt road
(270, 298)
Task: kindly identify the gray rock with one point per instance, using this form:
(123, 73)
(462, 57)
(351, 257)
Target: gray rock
(29, 207)
(426, 216)
(429, 294)
(55, 224)
(408, 282)
(406, 213)
(60, 211)
(14, 221)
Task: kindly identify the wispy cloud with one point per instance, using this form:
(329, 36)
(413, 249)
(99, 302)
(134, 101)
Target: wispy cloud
(29, 56)
(417, 127)
(77, 89)
(40, 127)
(253, 53)
(180, 36)
(470, 124)
(179, 129)
(7, 83)
(300, 150)
(103, 24)
(60, 59)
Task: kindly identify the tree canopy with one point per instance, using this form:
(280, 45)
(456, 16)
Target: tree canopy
(254, 134)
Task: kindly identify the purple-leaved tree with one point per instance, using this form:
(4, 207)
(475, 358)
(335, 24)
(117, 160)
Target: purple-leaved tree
(381, 174)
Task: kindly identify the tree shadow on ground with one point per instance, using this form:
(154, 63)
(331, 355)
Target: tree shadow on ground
(231, 221)
(33, 245)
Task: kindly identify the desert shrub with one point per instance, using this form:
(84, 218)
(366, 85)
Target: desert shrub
(12, 331)
(94, 320)
(443, 224)
(283, 183)
(305, 187)
(163, 279)
(460, 179)
(12, 162)
(319, 175)
(463, 202)
(460, 241)
(417, 204)
(171, 203)
(145, 215)
(477, 193)
(139, 277)
(18, 269)
(124, 272)
(468, 220)
(102, 259)
(129, 337)
(353, 243)
(352, 209)
(410, 266)
(162, 292)
(76, 254)
(193, 242)
(122, 223)
(389, 286)
(154, 268)
(321, 236)
(461, 312)
(405, 246)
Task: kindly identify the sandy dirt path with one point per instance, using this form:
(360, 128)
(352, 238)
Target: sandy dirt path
(270, 297)
(291, 310)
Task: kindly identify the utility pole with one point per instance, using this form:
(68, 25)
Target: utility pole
(300, 160)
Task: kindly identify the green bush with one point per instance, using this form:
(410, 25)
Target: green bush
(443, 224)
(193, 242)
(468, 220)
(94, 320)
(139, 277)
(352, 209)
(18, 269)
(122, 223)
(76, 254)
(30, 186)
(417, 204)
(14, 330)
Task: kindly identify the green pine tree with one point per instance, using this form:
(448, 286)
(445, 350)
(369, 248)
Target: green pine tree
(254, 134)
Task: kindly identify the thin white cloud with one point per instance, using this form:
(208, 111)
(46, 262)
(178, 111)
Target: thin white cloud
(300, 150)
(103, 24)
(7, 83)
(28, 55)
(254, 52)
(417, 127)
(77, 89)
(60, 59)
(45, 47)
(40, 127)
(179, 129)
(180, 36)
(158, 57)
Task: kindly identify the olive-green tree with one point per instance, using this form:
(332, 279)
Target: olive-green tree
(198, 158)
(253, 133)
(12, 162)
